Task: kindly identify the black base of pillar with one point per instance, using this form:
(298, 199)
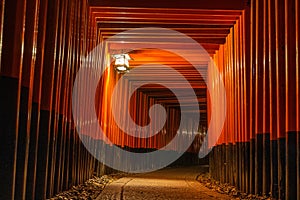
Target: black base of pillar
(252, 167)
(23, 145)
(247, 166)
(281, 168)
(32, 159)
(266, 164)
(43, 150)
(274, 168)
(8, 133)
(258, 163)
(291, 165)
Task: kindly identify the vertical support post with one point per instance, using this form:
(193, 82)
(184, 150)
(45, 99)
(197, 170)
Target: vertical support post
(46, 97)
(280, 94)
(252, 96)
(290, 117)
(247, 74)
(297, 21)
(266, 104)
(259, 109)
(2, 6)
(35, 115)
(12, 40)
(29, 57)
(273, 101)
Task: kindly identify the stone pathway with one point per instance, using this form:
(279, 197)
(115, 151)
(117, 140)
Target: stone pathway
(166, 184)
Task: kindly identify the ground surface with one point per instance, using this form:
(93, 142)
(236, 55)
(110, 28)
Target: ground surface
(166, 184)
(89, 190)
(226, 188)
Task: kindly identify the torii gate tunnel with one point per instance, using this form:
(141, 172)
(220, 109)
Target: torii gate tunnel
(238, 97)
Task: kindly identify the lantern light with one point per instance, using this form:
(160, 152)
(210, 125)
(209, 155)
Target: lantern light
(121, 62)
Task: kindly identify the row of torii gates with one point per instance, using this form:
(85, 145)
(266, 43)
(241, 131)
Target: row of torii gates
(253, 43)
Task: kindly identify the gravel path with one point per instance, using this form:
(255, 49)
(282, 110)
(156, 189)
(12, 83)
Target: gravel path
(89, 190)
(166, 184)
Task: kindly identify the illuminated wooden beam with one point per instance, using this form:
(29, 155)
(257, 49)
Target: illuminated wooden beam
(167, 11)
(167, 25)
(191, 4)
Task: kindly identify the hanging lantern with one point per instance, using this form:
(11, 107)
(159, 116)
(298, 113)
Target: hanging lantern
(121, 64)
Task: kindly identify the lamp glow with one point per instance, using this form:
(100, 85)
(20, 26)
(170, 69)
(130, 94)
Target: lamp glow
(121, 63)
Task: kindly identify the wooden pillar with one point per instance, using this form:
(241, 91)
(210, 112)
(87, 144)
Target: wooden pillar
(12, 40)
(252, 97)
(280, 94)
(236, 71)
(2, 6)
(273, 101)
(259, 94)
(247, 101)
(56, 127)
(297, 21)
(290, 117)
(35, 114)
(46, 104)
(62, 95)
(66, 101)
(266, 104)
(29, 57)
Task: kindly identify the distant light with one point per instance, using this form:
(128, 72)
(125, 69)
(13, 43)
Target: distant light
(121, 63)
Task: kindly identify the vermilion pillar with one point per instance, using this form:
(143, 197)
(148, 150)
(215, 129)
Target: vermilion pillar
(290, 79)
(46, 101)
(273, 101)
(35, 112)
(252, 96)
(29, 57)
(10, 90)
(297, 21)
(266, 103)
(280, 93)
(247, 100)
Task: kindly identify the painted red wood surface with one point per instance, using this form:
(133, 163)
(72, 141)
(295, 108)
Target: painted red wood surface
(254, 45)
